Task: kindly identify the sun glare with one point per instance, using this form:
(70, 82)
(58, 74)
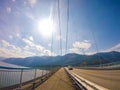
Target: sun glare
(46, 27)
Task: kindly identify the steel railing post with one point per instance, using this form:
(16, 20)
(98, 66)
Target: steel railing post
(34, 79)
(35, 73)
(21, 79)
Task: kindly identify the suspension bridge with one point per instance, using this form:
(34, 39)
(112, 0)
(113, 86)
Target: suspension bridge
(101, 77)
(61, 78)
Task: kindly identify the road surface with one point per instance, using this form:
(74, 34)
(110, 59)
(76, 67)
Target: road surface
(109, 79)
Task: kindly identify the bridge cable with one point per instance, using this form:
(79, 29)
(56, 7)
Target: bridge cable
(96, 46)
(59, 22)
(67, 27)
(52, 31)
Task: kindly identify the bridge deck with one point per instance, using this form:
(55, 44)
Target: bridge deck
(58, 81)
(109, 79)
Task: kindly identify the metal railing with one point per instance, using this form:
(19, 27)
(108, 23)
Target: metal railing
(15, 78)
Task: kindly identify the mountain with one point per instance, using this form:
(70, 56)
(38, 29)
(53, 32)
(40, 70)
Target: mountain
(3, 64)
(68, 59)
(2, 58)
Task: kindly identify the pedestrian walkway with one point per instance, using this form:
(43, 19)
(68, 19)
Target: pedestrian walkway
(58, 81)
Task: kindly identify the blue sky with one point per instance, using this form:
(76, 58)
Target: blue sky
(20, 35)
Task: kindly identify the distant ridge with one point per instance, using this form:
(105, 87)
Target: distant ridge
(3, 64)
(68, 59)
(2, 58)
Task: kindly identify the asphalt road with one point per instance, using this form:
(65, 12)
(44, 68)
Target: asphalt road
(109, 79)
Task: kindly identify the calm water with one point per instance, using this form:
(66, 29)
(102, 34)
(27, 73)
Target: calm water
(11, 77)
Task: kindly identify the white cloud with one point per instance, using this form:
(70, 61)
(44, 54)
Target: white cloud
(31, 38)
(78, 46)
(10, 36)
(4, 43)
(31, 45)
(48, 53)
(91, 53)
(17, 35)
(9, 50)
(39, 48)
(8, 9)
(26, 48)
(43, 51)
(86, 40)
(13, 0)
(114, 48)
(9, 46)
(31, 49)
(82, 45)
(32, 2)
(5, 53)
(28, 42)
(75, 50)
(27, 54)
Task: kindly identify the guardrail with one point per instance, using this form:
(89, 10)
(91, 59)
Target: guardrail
(82, 83)
(106, 64)
(20, 78)
(112, 67)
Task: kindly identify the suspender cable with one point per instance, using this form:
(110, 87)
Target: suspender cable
(96, 46)
(52, 16)
(52, 39)
(59, 23)
(52, 44)
(67, 27)
(54, 5)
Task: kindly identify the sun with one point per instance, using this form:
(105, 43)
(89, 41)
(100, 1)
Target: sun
(46, 27)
